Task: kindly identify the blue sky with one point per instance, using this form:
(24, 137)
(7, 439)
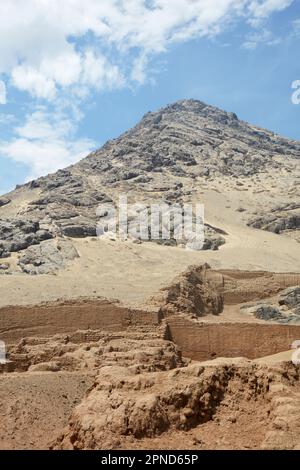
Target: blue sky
(74, 76)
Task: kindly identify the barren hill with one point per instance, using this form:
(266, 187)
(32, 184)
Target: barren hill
(247, 178)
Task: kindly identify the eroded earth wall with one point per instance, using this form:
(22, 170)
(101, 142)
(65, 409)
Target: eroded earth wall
(53, 318)
(202, 341)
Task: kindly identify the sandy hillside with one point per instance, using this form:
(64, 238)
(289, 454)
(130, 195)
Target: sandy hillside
(131, 273)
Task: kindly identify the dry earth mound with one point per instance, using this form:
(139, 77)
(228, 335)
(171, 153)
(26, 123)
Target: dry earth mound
(123, 408)
(193, 292)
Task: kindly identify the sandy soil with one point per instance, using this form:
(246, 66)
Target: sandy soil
(37, 406)
(43, 402)
(132, 273)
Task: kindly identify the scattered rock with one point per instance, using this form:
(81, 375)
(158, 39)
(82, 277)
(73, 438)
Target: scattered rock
(267, 312)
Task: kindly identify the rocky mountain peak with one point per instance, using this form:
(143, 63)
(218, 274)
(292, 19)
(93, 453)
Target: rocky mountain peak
(190, 138)
(167, 156)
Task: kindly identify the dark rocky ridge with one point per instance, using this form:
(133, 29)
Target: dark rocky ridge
(190, 138)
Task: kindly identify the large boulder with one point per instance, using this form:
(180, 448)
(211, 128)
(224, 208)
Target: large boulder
(4, 201)
(48, 257)
(290, 297)
(267, 312)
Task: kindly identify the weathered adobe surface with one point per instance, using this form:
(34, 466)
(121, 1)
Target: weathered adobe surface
(140, 393)
(196, 293)
(140, 348)
(202, 341)
(123, 408)
(75, 350)
(69, 316)
(242, 286)
(201, 290)
(54, 372)
(143, 392)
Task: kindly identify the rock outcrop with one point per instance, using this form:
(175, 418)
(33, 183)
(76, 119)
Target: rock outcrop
(291, 298)
(18, 234)
(47, 257)
(279, 220)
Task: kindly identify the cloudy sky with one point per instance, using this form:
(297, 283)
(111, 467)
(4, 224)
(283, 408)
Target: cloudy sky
(74, 74)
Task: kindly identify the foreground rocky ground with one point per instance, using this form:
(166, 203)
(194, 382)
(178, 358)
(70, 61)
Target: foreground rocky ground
(130, 390)
(229, 400)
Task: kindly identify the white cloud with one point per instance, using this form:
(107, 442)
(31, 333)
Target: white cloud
(45, 143)
(98, 72)
(263, 8)
(262, 37)
(26, 78)
(2, 92)
(62, 51)
(138, 73)
(7, 119)
(49, 45)
(64, 69)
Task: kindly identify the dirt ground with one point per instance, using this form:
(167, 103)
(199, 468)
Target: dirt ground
(35, 406)
(95, 374)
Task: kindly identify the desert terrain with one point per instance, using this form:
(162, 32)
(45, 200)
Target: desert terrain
(147, 344)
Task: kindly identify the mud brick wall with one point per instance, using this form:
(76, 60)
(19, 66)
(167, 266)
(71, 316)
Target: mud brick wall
(202, 341)
(50, 319)
(244, 286)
